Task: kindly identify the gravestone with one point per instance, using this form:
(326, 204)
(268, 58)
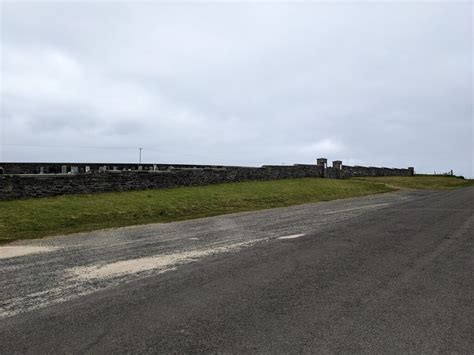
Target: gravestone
(64, 169)
(74, 170)
(88, 168)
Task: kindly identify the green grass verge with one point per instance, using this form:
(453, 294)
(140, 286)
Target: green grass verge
(420, 181)
(36, 218)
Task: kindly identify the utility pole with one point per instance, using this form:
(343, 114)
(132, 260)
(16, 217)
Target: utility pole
(140, 156)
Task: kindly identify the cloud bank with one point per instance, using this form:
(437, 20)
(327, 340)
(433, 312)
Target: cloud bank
(238, 83)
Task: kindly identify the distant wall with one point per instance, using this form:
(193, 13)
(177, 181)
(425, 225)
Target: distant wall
(345, 171)
(26, 180)
(354, 171)
(57, 168)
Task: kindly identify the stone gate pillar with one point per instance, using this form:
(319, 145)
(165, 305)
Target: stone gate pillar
(322, 163)
(337, 169)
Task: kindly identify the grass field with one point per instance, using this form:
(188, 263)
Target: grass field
(420, 182)
(36, 218)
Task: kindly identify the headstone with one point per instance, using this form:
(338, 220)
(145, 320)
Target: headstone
(154, 167)
(140, 168)
(74, 170)
(42, 170)
(64, 169)
(115, 168)
(88, 168)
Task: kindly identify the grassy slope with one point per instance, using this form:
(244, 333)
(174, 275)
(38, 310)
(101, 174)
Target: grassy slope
(420, 181)
(36, 218)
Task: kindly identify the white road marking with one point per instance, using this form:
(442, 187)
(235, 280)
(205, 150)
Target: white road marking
(14, 251)
(294, 236)
(193, 238)
(359, 208)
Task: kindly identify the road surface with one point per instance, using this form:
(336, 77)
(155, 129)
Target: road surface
(383, 273)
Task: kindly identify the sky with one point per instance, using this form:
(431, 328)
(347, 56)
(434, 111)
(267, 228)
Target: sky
(238, 83)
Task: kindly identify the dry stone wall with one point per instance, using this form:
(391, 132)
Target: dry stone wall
(42, 185)
(63, 168)
(27, 180)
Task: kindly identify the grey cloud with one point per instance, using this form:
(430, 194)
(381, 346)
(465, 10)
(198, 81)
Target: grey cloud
(57, 122)
(124, 128)
(242, 83)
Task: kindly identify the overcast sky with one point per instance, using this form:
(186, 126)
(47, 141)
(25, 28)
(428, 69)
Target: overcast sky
(386, 84)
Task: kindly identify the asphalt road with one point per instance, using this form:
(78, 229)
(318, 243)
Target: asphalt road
(384, 273)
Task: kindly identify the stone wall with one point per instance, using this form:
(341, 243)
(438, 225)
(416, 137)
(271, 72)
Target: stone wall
(26, 180)
(42, 185)
(355, 171)
(58, 168)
